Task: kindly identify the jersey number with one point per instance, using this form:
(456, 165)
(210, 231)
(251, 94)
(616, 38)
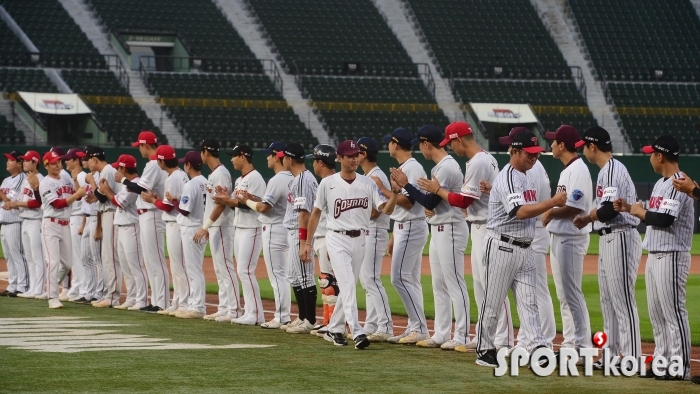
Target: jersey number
(400, 226)
(441, 228)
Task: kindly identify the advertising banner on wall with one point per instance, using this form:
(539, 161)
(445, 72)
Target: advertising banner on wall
(55, 104)
(504, 113)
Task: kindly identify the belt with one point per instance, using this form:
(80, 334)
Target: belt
(142, 211)
(608, 230)
(512, 241)
(350, 233)
(88, 215)
(477, 221)
(62, 222)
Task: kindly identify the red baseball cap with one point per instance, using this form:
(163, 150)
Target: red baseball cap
(146, 137)
(51, 157)
(126, 161)
(566, 134)
(348, 148)
(164, 152)
(507, 140)
(30, 155)
(456, 130)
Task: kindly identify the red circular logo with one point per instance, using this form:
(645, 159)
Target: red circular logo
(600, 339)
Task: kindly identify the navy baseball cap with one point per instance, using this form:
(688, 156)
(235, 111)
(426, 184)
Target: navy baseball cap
(526, 141)
(428, 133)
(323, 152)
(95, 151)
(401, 136)
(238, 150)
(566, 134)
(14, 155)
(293, 150)
(507, 140)
(368, 145)
(274, 148)
(595, 135)
(665, 144)
(211, 145)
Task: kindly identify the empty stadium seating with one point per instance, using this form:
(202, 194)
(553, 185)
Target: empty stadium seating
(14, 53)
(8, 134)
(369, 90)
(25, 79)
(215, 86)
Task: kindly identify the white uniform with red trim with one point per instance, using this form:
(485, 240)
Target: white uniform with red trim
(192, 200)
(152, 235)
(11, 231)
(31, 239)
(247, 243)
(76, 221)
(181, 289)
(91, 250)
(111, 269)
(55, 232)
(126, 221)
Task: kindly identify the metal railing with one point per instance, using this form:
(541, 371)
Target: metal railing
(427, 75)
(352, 68)
(118, 31)
(67, 60)
(651, 74)
(205, 64)
(496, 71)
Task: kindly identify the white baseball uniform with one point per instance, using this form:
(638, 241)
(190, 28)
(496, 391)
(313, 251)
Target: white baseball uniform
(247, 243)
(348, 206)
(111, 268)
(19, 277)
(76, 221)
(192, 200)
(181, 288)
(378, 318)
(91, 248)
(667, 269)
(55, 231)
(221, 244)
(410, 234)
(275, 247)
(31, 238)
(152, 235)
(620, 254)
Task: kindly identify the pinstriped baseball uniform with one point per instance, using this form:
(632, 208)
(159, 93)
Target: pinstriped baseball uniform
(91, 250)
(378, 318)
(620, 254)
(302, 192)
(11, 232)
(410, 234)
(508, 266)
(192, 200)
(31, 239)
(667, 269)
(181, 288)
(275, 247)
(130, 248)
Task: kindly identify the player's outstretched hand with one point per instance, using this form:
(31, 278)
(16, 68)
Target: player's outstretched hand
(81, 192)
(305, 253)
(429, 185)
(581, 221)
(637, 209)
(620, 205)
(685, 184)
(98, 233)
(200, 234)
(378, 182)
(398, 176)
(559, 199)
(390, 246)
(169, 197)
(149, 197)
(485, 187)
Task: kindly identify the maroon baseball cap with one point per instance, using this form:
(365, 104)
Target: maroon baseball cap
(348, 148)
(126, 161)
(526, 141)
(73, 153)
(192, 157)
(507, 140)
(455, 130)
(58, 150)
(14, 156)
(164, 152)
(146, 137)
(566, 134)
(30, 155)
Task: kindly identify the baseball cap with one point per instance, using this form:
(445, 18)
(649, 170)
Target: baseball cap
(401, 136)
(526, 141)
(595, 135)
(323, 152)
(348, 148)
(507, 140)
(211, 145)
(51, 157)
(126, 161)
(274, 148)
(60, 151)
(428, 133)
(146, 137)
(456, 130)
(30, 155)
(73, 153)
(95, 151)
(14, 155)
(292, 150)
(238, 150)
(192, 157)
(368, 145)
(164, 152)
(665, 144)
(566, 134)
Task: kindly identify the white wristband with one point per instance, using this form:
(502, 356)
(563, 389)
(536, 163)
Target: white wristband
(252, 205)
(207, 224)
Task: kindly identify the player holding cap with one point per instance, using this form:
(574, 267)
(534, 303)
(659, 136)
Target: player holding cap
(511, 230)
(272, 207)
(348, 200)
(247, 239)
(217, 226)
(620, 245)
(570, 244)
(190, 208)
(408, 239)
(449, 240)
(176, 179)
(378, 323)
(74, 165)
(669, 221)
(55, 202)
(11, 228)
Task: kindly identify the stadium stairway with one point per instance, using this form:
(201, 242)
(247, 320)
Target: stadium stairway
(12, 24)
(94, 30)
(250, 30)
(7, 111)
(560, 27)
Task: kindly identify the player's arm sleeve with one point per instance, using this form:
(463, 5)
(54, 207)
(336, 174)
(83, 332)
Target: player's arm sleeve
(460, 200)
(427, 200)
(163, 205)
(176, 205)
(134, 187)
(100, 197)
(37, 196)
(658, 219)
(606, 212)
(668, 211)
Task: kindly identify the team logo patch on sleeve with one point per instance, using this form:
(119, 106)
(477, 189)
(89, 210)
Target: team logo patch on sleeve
(184, 199)
(576, 195)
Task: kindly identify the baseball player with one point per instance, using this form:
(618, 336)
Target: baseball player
(324, 158)
(449, 240)
(272, 208)
(302, 192)
(167, 161)
(151, 222)
(570, 244)
(105, 228)
(379, 325)
(620, 245)
(217, 226)
(72, 160)
(11, 229)
(190, 208)
(247, 240)
(348, 200)
(29, 204)
(669, 221)
(129, 244)
(511, 230)
(408, 239)
(55, 202)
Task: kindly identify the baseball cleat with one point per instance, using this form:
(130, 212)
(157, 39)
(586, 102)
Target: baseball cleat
(176, 311)
(361, 342)
(413, 338)
(4, 293)
(488, 359)
(125, 306)
(104, 304)
(55, 303)
(44, 296)
(189, 315)
(13, 294)
(317, 327)
(246, 320)
(303, 328)
(322, 332)
(93, 302)
(397, 338)
(213, 316)
(273, 324)
(450, 345)
(164, 312)
(26, 295)
(64, 295)
(335, 338)
(379, 337)
(428, 343)
(295, 323)
(224, 319)
(135, 308)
